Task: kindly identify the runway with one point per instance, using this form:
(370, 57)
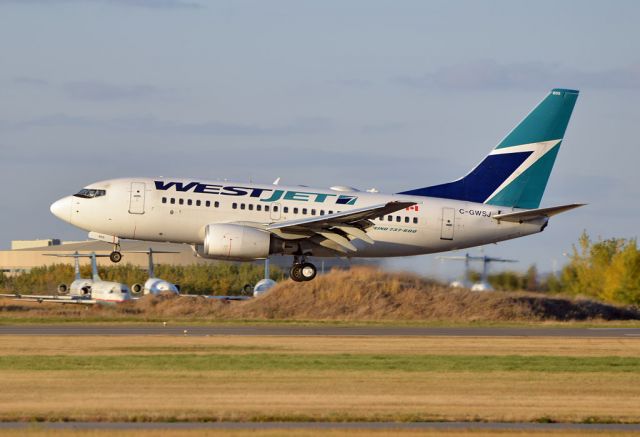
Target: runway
(172, 426)
(370, 331)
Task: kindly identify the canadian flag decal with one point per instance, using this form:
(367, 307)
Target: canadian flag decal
(413, 208)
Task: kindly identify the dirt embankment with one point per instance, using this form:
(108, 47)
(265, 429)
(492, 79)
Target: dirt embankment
(359, 294)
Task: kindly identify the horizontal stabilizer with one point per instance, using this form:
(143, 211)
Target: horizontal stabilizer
(533, 214)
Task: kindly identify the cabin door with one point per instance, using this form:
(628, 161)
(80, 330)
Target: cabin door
(136, 202)
(448, 223)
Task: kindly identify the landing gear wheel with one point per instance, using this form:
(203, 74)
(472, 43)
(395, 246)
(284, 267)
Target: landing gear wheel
(296, 273)
(115, 256)
(308, 271)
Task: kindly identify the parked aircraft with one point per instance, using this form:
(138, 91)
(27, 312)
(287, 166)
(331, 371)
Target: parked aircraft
(483, 284)
(100, 291)
(497, 200)
(80, 287)
(154, 285)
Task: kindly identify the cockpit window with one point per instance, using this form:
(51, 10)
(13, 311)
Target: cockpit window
(89, 193)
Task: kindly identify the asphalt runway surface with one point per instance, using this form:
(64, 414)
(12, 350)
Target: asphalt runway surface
(501, 426)
(370, 331)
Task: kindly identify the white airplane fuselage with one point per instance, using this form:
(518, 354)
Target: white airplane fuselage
(182, 208)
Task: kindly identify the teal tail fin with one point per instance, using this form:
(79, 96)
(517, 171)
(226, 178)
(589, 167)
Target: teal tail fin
(516, 172)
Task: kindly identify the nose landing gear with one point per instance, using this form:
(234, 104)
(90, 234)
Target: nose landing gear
(302, 270)
(115, 256)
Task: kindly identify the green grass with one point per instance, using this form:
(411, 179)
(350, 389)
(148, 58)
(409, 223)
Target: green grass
(340, 362)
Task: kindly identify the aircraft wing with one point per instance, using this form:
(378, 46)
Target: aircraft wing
(335, 231)
(533, 214)
(50, 298)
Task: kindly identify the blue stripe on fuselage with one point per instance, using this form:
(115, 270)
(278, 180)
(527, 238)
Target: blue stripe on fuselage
(480, 183)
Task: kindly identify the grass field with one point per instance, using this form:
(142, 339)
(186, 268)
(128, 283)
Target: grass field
(319, 378)
(35, 432)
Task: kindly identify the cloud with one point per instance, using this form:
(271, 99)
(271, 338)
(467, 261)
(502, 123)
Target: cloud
(93, 90)
(104, 91)
(149, 4)
(491, 75)
(149, 124)
(30, 81)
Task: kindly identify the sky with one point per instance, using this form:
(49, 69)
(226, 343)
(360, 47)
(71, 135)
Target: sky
(390, 95)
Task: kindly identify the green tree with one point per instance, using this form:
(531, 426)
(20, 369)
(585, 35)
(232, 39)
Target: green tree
(608, 269)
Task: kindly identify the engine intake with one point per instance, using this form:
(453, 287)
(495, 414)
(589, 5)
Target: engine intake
(235, 242)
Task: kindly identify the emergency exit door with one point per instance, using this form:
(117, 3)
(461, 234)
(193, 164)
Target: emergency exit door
(448, 223)
(136, 202)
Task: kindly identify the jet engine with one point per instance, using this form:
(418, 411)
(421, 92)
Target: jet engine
(236, 242)
(63, 289)
(136, 288)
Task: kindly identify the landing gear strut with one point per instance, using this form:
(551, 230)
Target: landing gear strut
(302, 270)
(115, 256)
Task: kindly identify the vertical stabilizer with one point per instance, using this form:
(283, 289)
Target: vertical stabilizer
(516, 172)
(76, 265)
(151, 272)
(94, 267)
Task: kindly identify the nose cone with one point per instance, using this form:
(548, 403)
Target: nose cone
(62, 209)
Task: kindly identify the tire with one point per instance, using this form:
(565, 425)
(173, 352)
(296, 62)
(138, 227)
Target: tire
(296, 273)
(308, 271)
(115, 257)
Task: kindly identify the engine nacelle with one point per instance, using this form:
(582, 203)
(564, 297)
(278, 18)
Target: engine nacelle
(235, 242)
(137, 288)
(63, 289)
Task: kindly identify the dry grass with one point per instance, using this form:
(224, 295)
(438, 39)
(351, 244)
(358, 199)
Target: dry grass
(318, 395)
(262, 393)
(145, 345)
(35, 432)
(359, 294)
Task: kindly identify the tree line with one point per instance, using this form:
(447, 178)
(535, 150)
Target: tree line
(211, 278)
(608, 270)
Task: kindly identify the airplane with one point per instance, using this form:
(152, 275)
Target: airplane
(265, 284)
(100, 292)
(80, 286)
(483, 284)
(154, 285)
(497, 200)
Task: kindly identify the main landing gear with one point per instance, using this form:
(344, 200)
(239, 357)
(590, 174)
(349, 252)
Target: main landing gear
(302, 270)
(115, 256)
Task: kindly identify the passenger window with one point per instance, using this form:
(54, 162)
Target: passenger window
(258, 207)
(266, 208)
(181, 201)
(398, 218)
(164, 200)
(415, 220)
(285, 209)
(275, 208)
(330, 212)
(295, 210)
(207, 203)
(242, 206)
(189, 202)
(390, 218)
(304, 211)
(313, 212)
(251, 207)
(173, 201)
(234, 205)
(198, 203)
(216, 204)
(322, 212)
(406, 219)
